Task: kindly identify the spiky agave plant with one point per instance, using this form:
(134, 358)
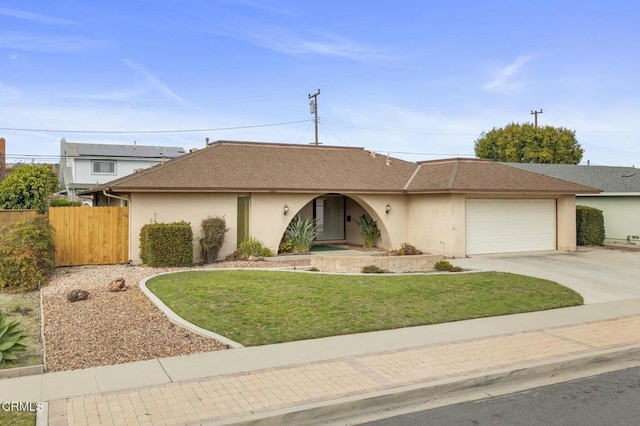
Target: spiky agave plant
(303, 232)
(10, 338)
(368, 229)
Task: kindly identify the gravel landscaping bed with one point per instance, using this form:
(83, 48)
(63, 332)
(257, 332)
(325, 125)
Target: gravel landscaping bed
(117, 327)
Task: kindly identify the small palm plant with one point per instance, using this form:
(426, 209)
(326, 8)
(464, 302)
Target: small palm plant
(302, 232)
(368, 229)
(10, 338)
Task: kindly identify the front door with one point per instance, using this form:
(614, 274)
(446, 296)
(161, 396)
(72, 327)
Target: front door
(328, 212)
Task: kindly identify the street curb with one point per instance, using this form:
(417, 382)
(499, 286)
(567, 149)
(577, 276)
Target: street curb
(30, 370)
(334, 410)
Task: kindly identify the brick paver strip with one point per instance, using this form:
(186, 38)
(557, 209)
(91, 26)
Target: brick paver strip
(232, 396)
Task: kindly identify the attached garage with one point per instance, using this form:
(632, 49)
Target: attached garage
(510, 225)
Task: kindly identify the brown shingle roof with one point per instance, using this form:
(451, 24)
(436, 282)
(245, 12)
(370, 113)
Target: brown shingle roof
(227, 166)
(476, 175)
(250, 166)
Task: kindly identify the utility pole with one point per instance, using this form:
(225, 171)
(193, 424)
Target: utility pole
(313, 105)
(536, 114)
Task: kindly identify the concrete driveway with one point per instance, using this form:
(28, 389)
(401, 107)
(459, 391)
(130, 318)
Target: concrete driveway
(598, 274)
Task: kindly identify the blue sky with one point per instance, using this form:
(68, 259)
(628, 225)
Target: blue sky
(417, 79)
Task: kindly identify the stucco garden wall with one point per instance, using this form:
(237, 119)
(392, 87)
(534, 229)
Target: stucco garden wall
(354, 264)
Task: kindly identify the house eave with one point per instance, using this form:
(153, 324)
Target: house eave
(119, 190)
(610, 194)
(490, 191)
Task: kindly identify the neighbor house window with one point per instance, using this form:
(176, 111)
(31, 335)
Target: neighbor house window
(104, 167)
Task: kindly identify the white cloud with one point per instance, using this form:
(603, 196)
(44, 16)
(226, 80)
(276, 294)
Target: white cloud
(505, 78)
(46, 43)
(155, 83)
(8, 92)
(284, 41)
(35, 17)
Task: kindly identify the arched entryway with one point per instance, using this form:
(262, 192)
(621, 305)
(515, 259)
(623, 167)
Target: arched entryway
(336, 218)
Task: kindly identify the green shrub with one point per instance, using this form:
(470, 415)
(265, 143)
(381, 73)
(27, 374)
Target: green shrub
(443, 265)
(63, 202)
(27, 254)
(589, 226)
(166, 244)
(368, 229)
(213, 229)
(286, 244)
(302, 233)
(252, 247)
(10, 338)
(372, 269)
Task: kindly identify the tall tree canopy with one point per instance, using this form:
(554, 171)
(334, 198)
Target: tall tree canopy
(524, 143)
(28, 186)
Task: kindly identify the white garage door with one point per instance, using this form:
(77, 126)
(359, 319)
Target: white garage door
(510, 226)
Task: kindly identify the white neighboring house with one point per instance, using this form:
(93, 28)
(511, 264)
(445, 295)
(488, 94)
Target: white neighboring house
(85, 165)
(619, 199)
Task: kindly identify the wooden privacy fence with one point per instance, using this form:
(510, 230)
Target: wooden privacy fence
(90, 235)
(8, 217)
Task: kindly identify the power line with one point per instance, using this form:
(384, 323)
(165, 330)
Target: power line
(13, 129)
(370, 126)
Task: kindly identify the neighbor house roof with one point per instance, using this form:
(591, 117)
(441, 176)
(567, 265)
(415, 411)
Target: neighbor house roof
(228, 166)
(477, 175)
(606, 178)
(121, 151)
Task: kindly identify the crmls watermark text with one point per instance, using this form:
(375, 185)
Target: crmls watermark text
(22, 406)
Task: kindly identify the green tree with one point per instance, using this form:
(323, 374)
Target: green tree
(524, 143)
(28, 186)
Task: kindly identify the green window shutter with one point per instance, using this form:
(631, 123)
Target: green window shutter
(243, 218)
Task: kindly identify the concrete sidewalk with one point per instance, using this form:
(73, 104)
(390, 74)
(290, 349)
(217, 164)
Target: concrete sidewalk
(302, 382)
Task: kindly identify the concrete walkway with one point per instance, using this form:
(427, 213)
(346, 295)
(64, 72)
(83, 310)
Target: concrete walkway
(304, 382)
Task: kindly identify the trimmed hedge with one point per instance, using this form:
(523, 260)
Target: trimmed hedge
(167, 244)
(27, 254)
(63, 202)
(589, 226)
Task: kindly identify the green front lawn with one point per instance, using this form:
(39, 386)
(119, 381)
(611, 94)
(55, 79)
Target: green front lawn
(264, 307)
(14, 418)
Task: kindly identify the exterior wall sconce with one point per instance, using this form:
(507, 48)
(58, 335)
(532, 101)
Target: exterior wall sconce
(387, 209)
(285, 210)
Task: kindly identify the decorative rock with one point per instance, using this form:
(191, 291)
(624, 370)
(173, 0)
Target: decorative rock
(117, 285)
(77, 294)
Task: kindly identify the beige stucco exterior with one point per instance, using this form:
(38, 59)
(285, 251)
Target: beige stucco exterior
(434, 223)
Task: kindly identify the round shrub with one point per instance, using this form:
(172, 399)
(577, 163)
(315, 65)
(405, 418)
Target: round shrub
(252, 247)
(213, 229)
(443, 265)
